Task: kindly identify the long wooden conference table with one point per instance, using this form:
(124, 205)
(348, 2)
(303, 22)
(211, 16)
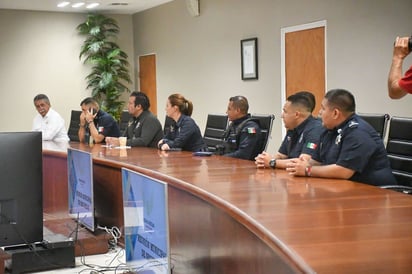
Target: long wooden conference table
(226, 216)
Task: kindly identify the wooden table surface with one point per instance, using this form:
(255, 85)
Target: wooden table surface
(332, 226)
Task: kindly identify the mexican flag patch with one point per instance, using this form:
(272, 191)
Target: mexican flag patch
(311, 145)
(251, 130)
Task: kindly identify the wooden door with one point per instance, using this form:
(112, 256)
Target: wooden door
(147, 79)
(304, 59)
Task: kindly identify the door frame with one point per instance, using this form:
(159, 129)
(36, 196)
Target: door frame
(283, 33)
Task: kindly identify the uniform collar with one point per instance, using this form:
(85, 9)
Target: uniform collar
(345, 124)
(241, 119)
(299, 129)
(181, 118)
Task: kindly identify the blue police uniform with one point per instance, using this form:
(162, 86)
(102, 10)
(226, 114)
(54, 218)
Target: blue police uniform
(357, 146)
(105, 125)
(303, 139)
(243, 138)
(185, 134)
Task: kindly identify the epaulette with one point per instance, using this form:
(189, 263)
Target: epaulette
(353, 124)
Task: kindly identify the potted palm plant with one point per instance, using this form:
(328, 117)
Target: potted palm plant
(110, 72)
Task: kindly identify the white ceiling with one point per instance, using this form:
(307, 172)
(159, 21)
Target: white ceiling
(109, 6)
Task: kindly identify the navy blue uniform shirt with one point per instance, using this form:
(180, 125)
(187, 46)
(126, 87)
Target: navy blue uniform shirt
(106, 124)
(244, 143)
(185, 134)
(357, 146)
(303, 139)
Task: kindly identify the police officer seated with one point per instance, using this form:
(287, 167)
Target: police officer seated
(242, 139)
(303, 132)
(349, 148)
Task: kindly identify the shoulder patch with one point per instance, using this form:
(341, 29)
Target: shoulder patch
(311, 145)
(251, 130)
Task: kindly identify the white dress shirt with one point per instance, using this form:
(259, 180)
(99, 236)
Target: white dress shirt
(51, 125)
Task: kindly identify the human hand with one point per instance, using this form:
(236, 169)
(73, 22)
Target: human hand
(90, 114)
(82, 119)
(164, 147)
(297, 166)
(262, 160)
(401, 47)
(159, 144)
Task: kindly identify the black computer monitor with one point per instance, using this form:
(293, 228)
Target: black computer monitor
(146, 223)
(21, 188)
(80, 183)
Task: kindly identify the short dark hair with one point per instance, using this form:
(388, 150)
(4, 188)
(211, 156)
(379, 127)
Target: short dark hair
(303, 98)
(140, 99)
(240, 102)
(88, 100)
(41, 97)
(341, 99)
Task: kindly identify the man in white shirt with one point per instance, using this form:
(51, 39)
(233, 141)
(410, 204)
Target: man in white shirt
(48, 121)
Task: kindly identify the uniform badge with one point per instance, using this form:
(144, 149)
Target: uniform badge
(339, 137)
(101, 129)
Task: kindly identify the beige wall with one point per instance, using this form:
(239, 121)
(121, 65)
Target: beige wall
(200, 56)
(39, 53)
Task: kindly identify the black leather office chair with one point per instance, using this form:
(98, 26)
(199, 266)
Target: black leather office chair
(378, 121)
(399, 149)
(74, 126)
(402, 189)
(266, 122)
(216, 125)
(124, 121)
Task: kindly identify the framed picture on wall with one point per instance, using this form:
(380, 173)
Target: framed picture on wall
(248, 50)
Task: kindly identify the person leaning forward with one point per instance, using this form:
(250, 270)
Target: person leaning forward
(96, 123)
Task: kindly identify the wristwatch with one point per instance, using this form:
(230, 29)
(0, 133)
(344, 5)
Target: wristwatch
(272, 163)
